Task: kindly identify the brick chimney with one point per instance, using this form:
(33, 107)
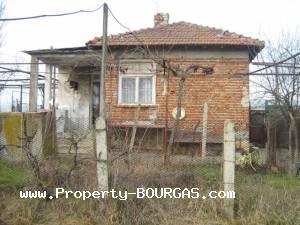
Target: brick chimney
(161, 19)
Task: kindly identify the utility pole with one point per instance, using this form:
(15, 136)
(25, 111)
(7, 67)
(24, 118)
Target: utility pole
(101, 136)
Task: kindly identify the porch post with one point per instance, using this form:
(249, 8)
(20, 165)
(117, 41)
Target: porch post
(47, 92)
(33, 84)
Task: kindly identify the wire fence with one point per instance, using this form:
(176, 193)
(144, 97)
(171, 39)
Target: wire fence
(138, 154)
(74, 136)
(137, 158)
(142, 144)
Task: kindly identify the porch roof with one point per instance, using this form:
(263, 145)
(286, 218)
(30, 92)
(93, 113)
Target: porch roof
(68, 57)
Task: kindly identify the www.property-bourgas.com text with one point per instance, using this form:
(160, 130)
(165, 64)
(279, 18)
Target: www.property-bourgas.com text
(176, 193)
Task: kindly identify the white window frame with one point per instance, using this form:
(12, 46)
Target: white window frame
(137, 76)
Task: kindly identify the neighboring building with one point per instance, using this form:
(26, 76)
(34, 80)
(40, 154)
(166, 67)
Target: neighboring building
(13, 95)
(136, 77)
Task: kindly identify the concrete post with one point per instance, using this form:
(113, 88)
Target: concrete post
(47, 92)
(204, 130)
(21, 99)
(229, 165)
(101, 136)
(33, 84)
(101, 150)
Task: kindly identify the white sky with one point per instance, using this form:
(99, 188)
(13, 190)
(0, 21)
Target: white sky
(255, 18)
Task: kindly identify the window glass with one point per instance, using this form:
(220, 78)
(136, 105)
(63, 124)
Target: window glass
(145, 90)
(128, 90)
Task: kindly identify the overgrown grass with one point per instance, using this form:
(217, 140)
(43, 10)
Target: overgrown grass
(276, 180)
(263, 198)
(13, 175)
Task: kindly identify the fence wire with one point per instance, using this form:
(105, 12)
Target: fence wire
(139, 157)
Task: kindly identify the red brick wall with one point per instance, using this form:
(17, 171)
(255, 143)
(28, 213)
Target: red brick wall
(223, 93)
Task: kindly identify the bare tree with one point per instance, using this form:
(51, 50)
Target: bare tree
(280, 84)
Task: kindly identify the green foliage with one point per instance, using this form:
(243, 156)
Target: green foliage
(276, 180)
(208, 174)
(13, 175)
(249, 159)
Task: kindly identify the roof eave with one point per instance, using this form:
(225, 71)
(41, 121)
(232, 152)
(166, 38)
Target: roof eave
(57, 50)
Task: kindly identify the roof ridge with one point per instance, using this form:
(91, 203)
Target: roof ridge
(185, 23)
(164, 26)
(178, 33)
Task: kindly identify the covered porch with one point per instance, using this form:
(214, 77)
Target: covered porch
(75, 94)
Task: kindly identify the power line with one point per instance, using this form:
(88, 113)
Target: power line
(130, 31)
(275, 74)
(121, 24)
(20, 63)
(19, 85)
(271, 63)
(275, 63)
(22, 71)
(42, 63)
(266, 66)
(145, 47)
(17, 70)
(52, 15)
(282, 65)
(18, 80)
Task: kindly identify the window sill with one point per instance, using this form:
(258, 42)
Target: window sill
(137, 105)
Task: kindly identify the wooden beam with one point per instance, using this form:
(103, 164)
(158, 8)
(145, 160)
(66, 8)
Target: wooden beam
(204, 130)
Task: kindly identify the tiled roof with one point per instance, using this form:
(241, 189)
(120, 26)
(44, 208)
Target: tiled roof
(180, 33)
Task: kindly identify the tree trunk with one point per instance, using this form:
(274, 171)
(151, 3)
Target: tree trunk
(296, 149)
(271, 145)
(178, 114)
(268, 144)
(293, 146)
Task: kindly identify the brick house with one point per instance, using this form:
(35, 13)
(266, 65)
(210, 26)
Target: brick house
(136, 78)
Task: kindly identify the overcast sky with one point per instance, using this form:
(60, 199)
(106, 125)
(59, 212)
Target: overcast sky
(255, 18)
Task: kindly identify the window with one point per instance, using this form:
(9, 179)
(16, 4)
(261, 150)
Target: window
(136, 82)
(137, 89)
(128, 90)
